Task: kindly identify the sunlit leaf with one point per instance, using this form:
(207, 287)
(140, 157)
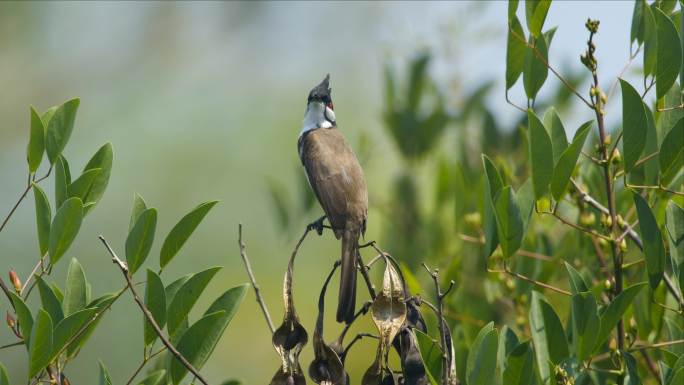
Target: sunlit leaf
(104, 375)
(577, 283)
(614, 312)
(59, 128)
(559, 140)
(182, 231)
(650, 41)
(139, 206)
(101, 160)
(515, 51)
(492, 186)
(140, 238)
(36, 145)
(76, 296)
(520, 366)
(509, 221)
(62, 180)
(586, 324)
(64, 228)
(80, 187)
(432, 356)
(535, 12)
(535, 70)
(481, 363)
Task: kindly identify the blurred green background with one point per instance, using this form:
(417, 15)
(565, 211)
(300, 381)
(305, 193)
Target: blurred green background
(204, 101)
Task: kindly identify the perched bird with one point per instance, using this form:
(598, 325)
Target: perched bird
(336, 179)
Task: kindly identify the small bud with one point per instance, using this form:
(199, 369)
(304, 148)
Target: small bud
(587, 219)
(607, 140)
(621, 221)
(603, 243)
(623, 245)
(632, 323)
(473, 220)
(608, 284)
(520, 320)
(592, 91)
(510, 284)
(10, 321)
(16, 282)
(617, 157)
(606, 221)
(604, 98)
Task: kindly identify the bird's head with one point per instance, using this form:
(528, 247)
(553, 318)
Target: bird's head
(319, 107)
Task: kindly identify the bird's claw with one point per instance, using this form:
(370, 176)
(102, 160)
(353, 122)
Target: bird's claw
(317, 225)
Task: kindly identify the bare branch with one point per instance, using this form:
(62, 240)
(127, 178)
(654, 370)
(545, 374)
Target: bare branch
(252, 279)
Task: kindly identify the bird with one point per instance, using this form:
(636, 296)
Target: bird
(338, 182)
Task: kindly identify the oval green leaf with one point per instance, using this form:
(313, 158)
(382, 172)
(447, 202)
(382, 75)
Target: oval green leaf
(654, 250)
(182, 231)
(674, 224)
(671, 154)
(155, 300)
(59, 128)
(481, 363)
(43, 218)
(535, 70)
(68, 329)
(64, 228)
(515, 51)
(80, 187)
(509, 221)
(634, 125)
(40, 346)
(140, 239)
(139, 206)
(24, 317)
(492, 186)
(105, 379)
(49, 300)
(535, 12)
(36, 145)
(541, 155)
(614, 312)
(62, 180)
(548, 336)
(669, 53)
(520, 366)
(586, 324)
(185, 298)
(101, 160)
(75, 295)
(568, 159)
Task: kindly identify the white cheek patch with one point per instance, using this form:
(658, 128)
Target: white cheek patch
(330, 114)
(317, 116)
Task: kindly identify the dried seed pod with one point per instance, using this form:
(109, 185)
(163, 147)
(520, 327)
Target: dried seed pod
(412, 365)
(16, 282)
(373, 375)
(389, 308)
(290, 337)
(282, 377)
(326, 368)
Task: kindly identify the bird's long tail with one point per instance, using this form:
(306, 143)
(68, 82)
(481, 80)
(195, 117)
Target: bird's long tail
(346, 304)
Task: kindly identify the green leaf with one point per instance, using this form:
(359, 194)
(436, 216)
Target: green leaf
(541, 155)
(100, 304)
(59, 128)
(550, 343)
(76, 296)
(40, 345)
(614, 311)
(182, 231)
(67, 330)
(650, 41)
(637, 30)
(654, 251)
(62, 180)
(140, 239)
(139, 206)
(43, 218)
(4, 378)
(509, 221)
(566, 164)
(154, 378)
(49, 300)
(559, 140)
(431, 355)
(82, 185)
(102, 160)
(674, 224)
(525, 200)
(185, 298)
(36, 145)
(155, 300)
(669, 53)
(671, 154)
(23, 316)
(632, 377)
(492, 186)
(535, 70)
(481, 363)
(515, 51)
(586, 324)
(577, 283)
(535, 11)
(634, 125)
(64, 228)
(104, 374)
(193, 343)
(520, 366)
(512, 8)
(508, 340)
(677, 377)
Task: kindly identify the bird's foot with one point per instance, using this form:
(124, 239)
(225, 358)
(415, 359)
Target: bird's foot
(317, 225)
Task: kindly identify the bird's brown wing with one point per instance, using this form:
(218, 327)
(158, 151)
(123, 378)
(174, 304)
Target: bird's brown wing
(335, 177)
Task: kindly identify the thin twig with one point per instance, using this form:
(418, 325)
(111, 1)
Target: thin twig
(257, 291)
(679, 107)
(354, 340)
(522, 253)
(657, 345)
(661, 188)
(143, 363)
(150, 318)
(11, 345)
(530, 280)
(446, 356)
(21, 198)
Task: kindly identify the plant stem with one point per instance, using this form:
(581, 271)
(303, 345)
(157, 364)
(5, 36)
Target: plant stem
(150, 318)
(257, 291)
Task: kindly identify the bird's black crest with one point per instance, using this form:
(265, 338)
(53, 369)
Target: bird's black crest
(322, 91)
